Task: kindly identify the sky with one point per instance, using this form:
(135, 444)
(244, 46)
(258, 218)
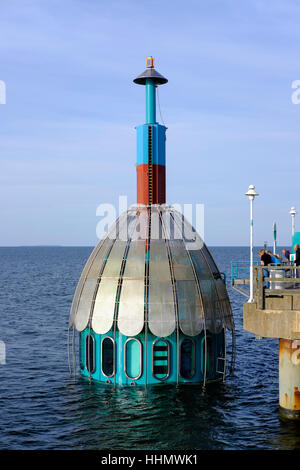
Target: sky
(67, 129)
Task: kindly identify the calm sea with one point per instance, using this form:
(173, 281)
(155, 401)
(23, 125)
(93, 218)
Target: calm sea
(42, 407)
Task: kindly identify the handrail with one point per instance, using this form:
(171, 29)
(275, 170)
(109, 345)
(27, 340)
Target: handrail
(239, 267)
(276, 281)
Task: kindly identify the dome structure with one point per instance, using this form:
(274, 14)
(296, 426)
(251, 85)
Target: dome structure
(151, 305)
(151, 270)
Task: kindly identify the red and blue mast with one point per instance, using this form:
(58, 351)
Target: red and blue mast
(151, 143)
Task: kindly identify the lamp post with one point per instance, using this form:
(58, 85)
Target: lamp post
(293, 213)
(251, 193)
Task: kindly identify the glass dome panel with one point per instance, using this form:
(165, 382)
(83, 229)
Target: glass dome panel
(131, 307)
(135, 262)
(191, 319)
(161, 308)
(173, 272)
(104, 307)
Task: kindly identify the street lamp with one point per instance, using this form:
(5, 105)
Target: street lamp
(293, 213)
(251, 193)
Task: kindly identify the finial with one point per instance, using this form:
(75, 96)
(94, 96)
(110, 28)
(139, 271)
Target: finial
(150, 62)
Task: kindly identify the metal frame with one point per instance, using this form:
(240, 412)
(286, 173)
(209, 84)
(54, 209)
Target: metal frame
(173, 282)
(227, 300)
(239, 282)
(150, 166)
(91, 260)
(146, 288)
(73, 352)
(193, 357)
(169, 361)
(223, 373)
(118, 292)
(141, 358)
(114, 356)
(198, 289)
(207, 338)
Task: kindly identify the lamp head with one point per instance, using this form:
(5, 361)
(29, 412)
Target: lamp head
(251, 193)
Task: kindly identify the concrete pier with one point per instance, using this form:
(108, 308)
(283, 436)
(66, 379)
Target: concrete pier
(275, 313)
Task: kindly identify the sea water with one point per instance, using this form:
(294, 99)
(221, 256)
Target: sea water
(42, 407)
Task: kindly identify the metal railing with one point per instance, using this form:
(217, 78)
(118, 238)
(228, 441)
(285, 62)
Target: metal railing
(240, 273)
(275, 281)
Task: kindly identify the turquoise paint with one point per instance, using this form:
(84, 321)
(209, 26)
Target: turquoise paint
(146, 378)
(158, 144)
(150, 101)
(295, 240)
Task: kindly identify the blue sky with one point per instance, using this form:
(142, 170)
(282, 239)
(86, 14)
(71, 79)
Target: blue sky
(67, 137)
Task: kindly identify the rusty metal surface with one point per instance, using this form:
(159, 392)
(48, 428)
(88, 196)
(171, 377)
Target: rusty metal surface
(158, 183)
(289, 374)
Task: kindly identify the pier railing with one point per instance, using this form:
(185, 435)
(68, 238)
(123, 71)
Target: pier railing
(240, 270)
(277, 287)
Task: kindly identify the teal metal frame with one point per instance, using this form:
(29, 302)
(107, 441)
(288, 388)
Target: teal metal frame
(208, 371)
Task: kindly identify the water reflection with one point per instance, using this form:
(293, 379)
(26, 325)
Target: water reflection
(162, 417)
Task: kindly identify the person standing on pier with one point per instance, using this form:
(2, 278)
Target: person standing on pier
(265, 258)
(286, 254)
(297, 255)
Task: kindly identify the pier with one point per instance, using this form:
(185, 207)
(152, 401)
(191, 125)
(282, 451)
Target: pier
(275, 313)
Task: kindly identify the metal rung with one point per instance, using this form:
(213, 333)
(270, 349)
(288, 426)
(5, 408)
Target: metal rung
(221, 359)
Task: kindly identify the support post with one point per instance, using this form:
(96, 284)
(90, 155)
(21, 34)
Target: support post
(261, 303)
(150, 101)
(289, 378)
(251, 299)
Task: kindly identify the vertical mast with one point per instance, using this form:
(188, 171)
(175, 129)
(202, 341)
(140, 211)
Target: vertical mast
(151, 145)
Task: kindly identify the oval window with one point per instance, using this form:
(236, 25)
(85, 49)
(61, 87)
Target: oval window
(161, 359)
(108, 356)
(133, 359)
(187, 358)
(90, 353)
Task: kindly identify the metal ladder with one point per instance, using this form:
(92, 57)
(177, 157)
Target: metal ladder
(150, 167)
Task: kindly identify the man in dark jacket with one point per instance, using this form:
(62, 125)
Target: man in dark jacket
(265, 258)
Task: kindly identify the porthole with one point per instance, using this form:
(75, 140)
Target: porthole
(209, 356)
(161, 359)
(108, 357)
(133, 359)
(187, 358)
(81, 350)
(90, 353)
